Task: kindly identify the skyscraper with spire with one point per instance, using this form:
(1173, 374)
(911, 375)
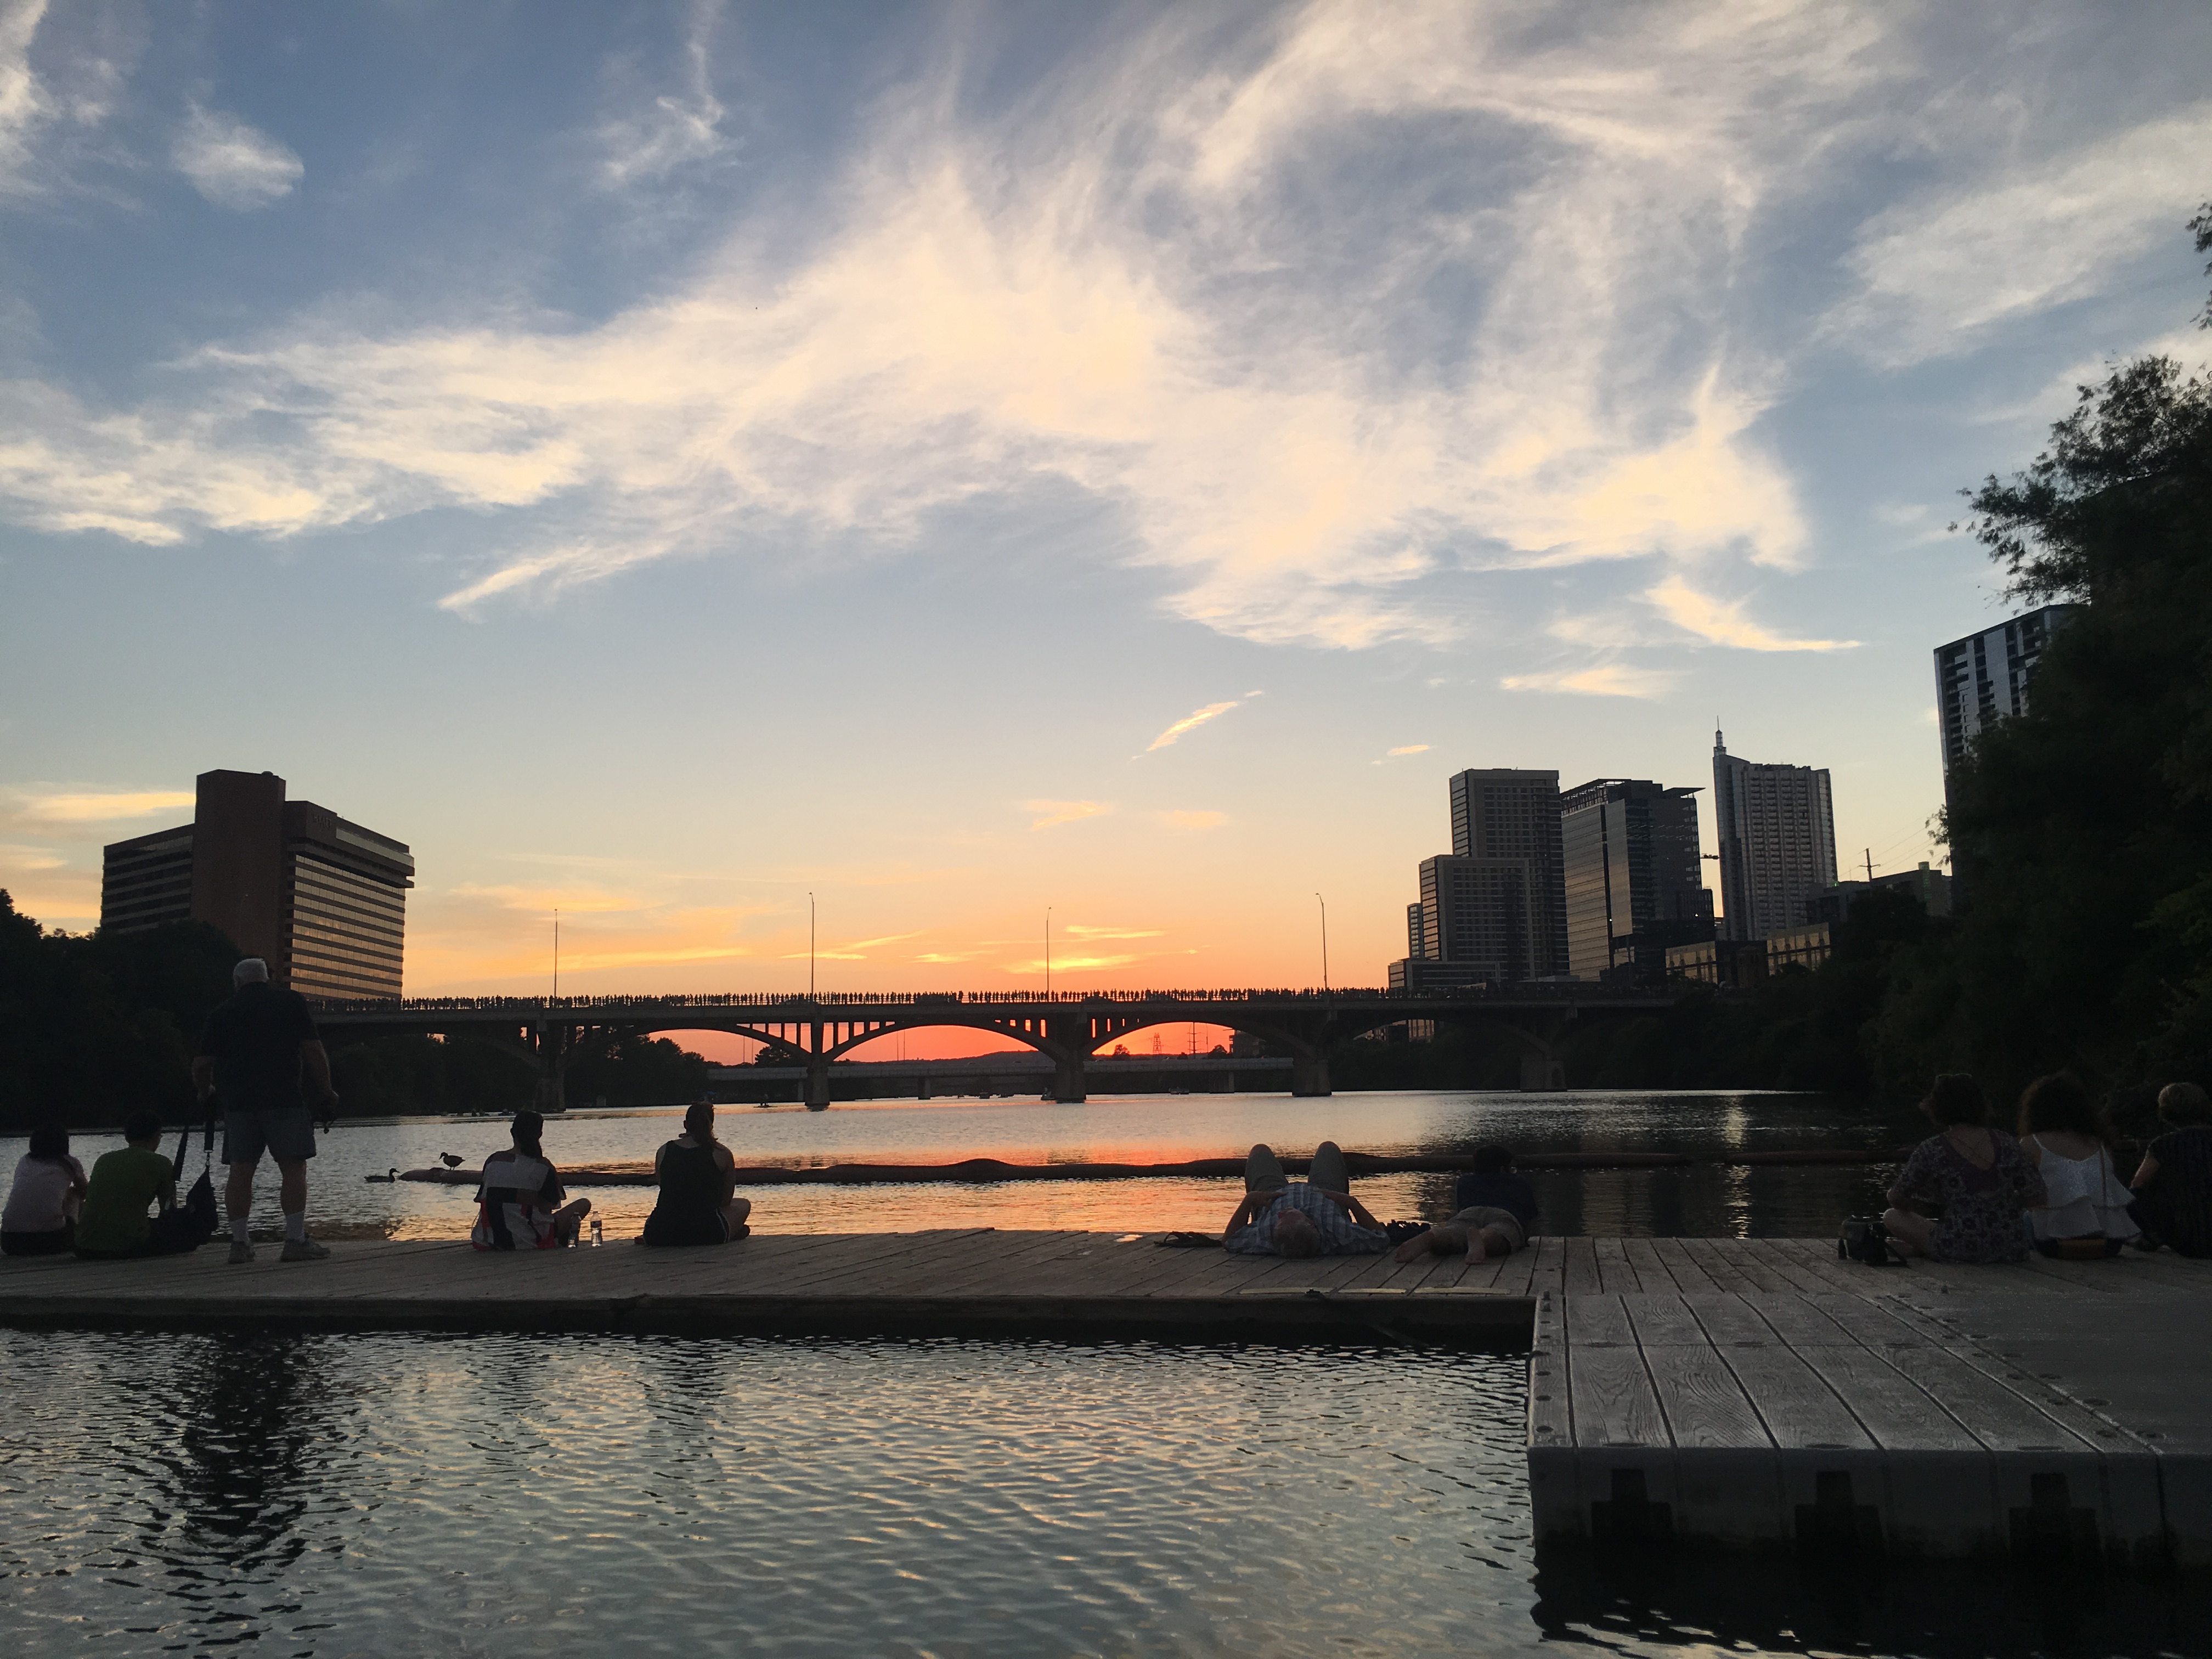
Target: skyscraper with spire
(1777, 826)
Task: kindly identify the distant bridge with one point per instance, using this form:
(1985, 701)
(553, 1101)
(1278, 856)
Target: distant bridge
(1069, 1026)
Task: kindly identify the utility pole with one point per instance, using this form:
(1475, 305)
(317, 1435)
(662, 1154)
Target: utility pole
(1323, 902)
(809, 947)
(1869, 864)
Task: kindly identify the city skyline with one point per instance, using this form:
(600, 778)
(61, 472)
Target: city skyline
(992, 462)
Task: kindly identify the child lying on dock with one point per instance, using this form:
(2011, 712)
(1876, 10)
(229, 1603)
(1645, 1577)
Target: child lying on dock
(1493, 1210)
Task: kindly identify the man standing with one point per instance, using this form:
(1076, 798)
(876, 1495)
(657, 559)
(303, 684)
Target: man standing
(256, 1046)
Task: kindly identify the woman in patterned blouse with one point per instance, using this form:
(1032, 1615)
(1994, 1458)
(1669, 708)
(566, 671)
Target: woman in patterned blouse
(1975, 1176)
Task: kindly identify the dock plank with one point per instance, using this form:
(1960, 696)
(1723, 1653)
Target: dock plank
(1581, 1266)
(1704, 1405)
(1612, 1400)
(1616, 1275)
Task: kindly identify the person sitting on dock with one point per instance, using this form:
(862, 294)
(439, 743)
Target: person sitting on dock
(40, 1219)
(2085, 1208)
(1492, 1210)
(1979, 1176)
(2174, 1182)
(698, 1202)
(520, 1204)
(114, 1225)
(1317, 1216)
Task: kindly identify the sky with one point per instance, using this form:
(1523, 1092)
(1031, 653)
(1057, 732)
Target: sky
(1017, 472)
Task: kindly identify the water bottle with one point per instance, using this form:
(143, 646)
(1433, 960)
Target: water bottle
(598, 1232)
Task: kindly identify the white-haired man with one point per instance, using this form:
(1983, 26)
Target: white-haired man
(256, 1046)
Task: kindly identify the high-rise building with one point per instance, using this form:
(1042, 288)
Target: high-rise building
(1513, 816)
(1633, 882)
(1984, 677)
(323, 900)
(1475, 913)
(1777, 827)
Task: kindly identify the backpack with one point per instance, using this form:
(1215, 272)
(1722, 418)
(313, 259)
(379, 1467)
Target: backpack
(193, 1222)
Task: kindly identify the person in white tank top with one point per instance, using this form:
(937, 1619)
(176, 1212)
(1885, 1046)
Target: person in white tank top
(2060, 1128)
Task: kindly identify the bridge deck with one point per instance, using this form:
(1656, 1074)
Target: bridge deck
(1729, 1393)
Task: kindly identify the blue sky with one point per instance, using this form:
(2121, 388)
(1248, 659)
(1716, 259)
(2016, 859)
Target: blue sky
(661, 460)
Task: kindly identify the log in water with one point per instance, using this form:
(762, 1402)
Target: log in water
(990, 1170)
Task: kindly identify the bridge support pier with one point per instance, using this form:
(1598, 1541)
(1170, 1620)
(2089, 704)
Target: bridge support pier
(1542, 1074)
(1069, 1087)
(817, 1084)
(1310, 1074)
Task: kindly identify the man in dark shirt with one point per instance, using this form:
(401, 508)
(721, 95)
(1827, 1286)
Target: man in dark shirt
(256, 1046)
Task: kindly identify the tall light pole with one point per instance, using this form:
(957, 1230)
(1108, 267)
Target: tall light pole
(1048, 953)
(556, 953)
(1323, 902)
(809, 947)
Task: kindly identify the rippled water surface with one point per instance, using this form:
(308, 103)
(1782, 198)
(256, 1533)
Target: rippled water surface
(392, 1495)
(1706, 1201)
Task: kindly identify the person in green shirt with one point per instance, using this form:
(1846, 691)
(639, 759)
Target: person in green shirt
(114, 1224)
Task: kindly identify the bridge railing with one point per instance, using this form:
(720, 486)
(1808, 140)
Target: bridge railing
(1549, 990)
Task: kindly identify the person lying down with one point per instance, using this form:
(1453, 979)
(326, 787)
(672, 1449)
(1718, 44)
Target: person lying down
(1493, 1210)
(1315, 1217)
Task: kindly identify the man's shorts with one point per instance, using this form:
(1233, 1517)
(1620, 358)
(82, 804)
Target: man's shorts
(1483, 1218)
(287, 1135)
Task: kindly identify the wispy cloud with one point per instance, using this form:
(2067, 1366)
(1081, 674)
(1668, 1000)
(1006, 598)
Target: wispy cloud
(1611, 679)
(1401, 751)
(1119, 285)
(1052, 812)
(1335, 309)
(23, 102)
(852, 950)
(1722, 623)
(65, 808)
(1934, 273)
(234, 165)
(1195, 719)
(652, 132)
(1079, 930)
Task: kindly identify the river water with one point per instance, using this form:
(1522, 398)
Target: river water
(1707, 1202)
(395, 1495)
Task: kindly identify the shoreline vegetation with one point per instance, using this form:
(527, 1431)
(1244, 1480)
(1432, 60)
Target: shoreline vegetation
(2080, 836)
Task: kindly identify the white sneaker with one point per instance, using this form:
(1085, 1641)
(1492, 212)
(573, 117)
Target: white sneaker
(239, 1251)
(302, 1249)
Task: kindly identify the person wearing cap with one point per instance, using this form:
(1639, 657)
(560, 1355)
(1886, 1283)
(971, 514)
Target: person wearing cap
(256, 1048)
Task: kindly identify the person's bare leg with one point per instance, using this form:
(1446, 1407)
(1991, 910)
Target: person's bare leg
(238, 1191)
(1487, 1243)
(1915, 1235)
(292, 1184)
(1437, 1241)
(734, 1213)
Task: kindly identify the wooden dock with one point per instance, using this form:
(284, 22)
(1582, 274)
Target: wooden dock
(1728, 1394)
(2053, 1410)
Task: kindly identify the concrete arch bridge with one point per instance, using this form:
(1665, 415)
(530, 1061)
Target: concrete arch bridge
(1068, 1027)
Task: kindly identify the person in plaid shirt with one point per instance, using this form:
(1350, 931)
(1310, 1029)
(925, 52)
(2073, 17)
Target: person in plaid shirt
(1317, 1216)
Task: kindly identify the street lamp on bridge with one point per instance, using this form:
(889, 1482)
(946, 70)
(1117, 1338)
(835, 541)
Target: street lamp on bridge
(1323, 902)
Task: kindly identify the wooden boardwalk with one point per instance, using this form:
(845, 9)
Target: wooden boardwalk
(1732, 1393)
(975, 1282)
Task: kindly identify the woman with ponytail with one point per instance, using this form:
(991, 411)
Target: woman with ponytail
(520, 1204)
(698, 1202)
